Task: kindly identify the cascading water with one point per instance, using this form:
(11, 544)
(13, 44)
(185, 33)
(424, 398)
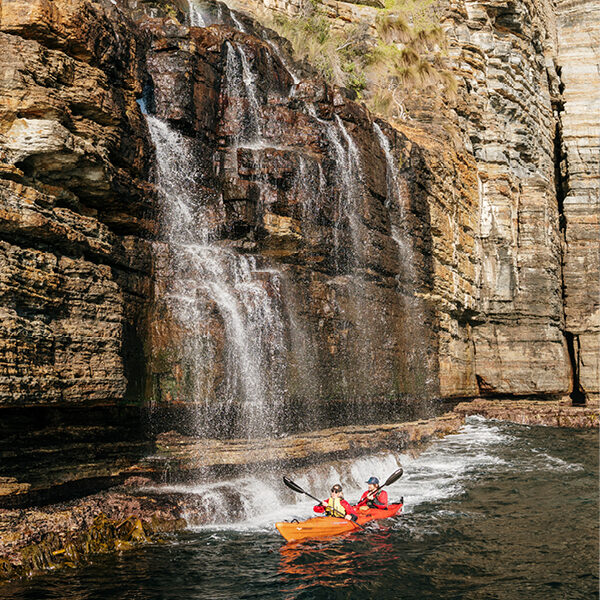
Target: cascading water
(284, 62)
(351, 259)
(348, 175)
(395, 201)
(241, 83)
(266, 347)
(207, 277)
(196, 16)
(238, 24)
(418, 361)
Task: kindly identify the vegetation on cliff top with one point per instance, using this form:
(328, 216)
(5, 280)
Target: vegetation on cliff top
(382, 61)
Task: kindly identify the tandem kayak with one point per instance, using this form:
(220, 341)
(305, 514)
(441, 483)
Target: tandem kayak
(326, 526)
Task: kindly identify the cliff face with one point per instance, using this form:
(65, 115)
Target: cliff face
(503, 56)
(308, 257)
(579, 190)
(525, 110)
(294, 278)
(75, 210)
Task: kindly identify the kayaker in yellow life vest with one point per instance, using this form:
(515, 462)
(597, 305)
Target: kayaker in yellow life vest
(336, 506)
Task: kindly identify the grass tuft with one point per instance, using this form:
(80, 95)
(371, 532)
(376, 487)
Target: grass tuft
(405, 55)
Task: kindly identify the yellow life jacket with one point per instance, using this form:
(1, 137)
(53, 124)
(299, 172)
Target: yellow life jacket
(334, 508)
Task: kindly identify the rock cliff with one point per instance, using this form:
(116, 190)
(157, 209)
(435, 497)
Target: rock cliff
(526, 111)
(262, 250)
(76, 210)
(578, 192)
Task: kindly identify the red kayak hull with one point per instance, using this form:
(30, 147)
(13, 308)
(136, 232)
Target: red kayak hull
(318, 527)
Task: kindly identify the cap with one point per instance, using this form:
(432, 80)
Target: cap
(373, 480)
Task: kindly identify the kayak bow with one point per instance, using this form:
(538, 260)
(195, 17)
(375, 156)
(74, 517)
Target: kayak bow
(327, 526)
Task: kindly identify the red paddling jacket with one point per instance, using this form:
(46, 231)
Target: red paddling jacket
(380, 500)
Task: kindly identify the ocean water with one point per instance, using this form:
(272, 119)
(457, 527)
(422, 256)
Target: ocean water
(498, 511)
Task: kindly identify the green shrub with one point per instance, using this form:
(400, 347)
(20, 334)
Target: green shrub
(406, 53)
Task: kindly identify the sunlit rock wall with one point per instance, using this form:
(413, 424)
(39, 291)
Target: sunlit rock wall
(503, 54)
(579, 62)
(74, 264)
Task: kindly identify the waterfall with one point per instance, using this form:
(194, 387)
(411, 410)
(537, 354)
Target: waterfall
(348, 173)
(367, 332)
(419, 365)
(352, 178)
(207, 277)
(236, 21)
(223, 8)
(291, 71)
(395, 200)
(241, 83)
(240, 379)
(240, 296)
(196, 16)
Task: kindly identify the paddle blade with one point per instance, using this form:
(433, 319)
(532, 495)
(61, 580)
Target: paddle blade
(394, 476)
(293, 486)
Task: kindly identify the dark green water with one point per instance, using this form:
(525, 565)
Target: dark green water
(500, 511)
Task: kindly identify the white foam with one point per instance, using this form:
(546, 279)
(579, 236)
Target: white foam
(442, 471)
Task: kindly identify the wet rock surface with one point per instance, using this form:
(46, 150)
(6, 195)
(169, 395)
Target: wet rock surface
(68, 535)
(552, 413)
(350, 265)
(185, 458)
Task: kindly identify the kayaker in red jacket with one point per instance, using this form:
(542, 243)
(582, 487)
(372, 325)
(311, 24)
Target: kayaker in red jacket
(373, 497)
(336, 506)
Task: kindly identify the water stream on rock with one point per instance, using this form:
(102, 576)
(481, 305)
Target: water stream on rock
(496, 511)
(207, 277)
(196, 16)
(419, 363)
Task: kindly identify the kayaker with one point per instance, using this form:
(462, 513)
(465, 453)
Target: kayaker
(373, 497)
(336, 506)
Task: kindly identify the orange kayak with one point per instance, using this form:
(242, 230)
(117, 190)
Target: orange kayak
(326, 526)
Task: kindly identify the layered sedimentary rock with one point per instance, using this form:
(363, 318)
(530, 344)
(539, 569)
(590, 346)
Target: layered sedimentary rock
(75, 209)
(187, 457)
(370, 267)
(500, 53)
(578, 60)
(550, 413)
(507, 110)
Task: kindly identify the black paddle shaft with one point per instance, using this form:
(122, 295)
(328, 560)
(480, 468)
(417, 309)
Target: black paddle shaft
(297, 488)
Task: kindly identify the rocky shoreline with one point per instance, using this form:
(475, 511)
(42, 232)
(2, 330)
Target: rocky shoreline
(33, 540)
(141, 511)
(551, 413)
